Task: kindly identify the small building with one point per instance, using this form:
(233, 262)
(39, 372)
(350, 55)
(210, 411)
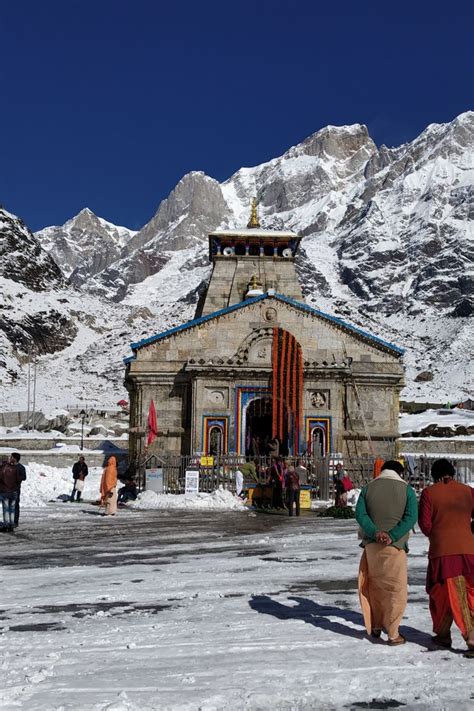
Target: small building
(257, 362)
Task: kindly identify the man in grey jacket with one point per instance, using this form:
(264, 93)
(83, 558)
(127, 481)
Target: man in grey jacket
(386, 511)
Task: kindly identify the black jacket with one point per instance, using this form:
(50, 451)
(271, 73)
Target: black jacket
(10, 481)
(21, 471)
(80, 471)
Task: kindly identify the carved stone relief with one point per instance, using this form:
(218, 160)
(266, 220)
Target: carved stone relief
(270, 314)
(260, 352)
(320, 399)
(217, 396)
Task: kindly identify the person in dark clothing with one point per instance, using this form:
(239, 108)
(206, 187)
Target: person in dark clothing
(15, 461)
(339, 486)
(10, 483)
(276, 479)
(292, 485)
(128, 492)
(79, 473)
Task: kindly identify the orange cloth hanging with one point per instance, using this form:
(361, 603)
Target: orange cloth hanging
(287, 383)
(378, 464)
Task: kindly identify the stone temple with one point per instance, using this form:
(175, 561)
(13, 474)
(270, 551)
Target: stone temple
(257, 362)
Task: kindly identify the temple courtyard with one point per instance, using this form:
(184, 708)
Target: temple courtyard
(206, 610)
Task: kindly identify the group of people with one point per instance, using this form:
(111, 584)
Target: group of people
(12, 474)
(386, 511)
(278, 486)
(110, 494)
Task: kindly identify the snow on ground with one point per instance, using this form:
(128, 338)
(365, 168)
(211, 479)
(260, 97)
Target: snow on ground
(442, 418)
(44, 484)
(206, 610)
(219, 500)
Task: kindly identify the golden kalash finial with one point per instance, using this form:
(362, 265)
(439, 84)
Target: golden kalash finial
(254, 221)
(255, 287)
(255, 282)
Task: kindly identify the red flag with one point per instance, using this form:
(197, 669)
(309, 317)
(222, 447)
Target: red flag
(152, 424)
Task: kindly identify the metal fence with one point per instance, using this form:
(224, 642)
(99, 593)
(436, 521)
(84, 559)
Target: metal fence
(220, 471)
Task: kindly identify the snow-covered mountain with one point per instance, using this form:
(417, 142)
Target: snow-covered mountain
(388, 244)
(84, 245)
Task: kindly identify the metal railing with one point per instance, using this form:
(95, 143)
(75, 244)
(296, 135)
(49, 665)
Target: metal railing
(320, 471)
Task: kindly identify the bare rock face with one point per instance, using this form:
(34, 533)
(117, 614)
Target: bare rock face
(48, 330)
(424, 377)
(22, 259)
(193, 209)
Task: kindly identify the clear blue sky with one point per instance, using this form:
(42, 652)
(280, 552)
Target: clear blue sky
(107, 104)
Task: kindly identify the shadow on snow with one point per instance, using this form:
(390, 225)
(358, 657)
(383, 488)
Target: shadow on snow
(318, 615)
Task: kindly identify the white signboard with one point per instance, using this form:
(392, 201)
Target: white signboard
(154, 480)
(191, 485)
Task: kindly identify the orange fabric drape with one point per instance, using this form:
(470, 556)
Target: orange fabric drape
(378, 464)
(109, 478)
(383, 587)
(452, 600)
(287, 383)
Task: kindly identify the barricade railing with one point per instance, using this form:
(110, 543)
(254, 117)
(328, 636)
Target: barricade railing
(219, 471)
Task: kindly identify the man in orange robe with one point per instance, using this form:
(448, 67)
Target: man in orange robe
(445, 515)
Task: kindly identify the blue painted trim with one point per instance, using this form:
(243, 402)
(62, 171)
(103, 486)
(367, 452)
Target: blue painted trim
(195, 322)
(218, 421)
(279, 297)
(339, 322)
(316, 418)
(248, 392)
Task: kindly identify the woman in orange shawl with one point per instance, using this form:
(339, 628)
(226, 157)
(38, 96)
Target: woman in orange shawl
(108, 487)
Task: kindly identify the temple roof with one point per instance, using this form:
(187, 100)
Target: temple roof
(257, 233)
(353, 330)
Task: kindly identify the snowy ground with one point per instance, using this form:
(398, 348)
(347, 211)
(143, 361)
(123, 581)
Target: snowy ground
(205, 610)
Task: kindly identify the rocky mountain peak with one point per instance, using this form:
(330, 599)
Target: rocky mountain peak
(85, 245)
(337, 142)
(22, 259)
(194, 207)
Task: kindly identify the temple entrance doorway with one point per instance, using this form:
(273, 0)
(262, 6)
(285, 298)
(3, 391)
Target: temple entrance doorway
(258, 428)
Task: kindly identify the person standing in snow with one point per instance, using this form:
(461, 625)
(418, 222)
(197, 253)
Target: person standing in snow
(79, 472)
(108, 487)
(15, 461)
(386, 511)
(446, 513)
(10, 482)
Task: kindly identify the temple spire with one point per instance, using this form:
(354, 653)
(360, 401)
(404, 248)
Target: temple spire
(254, 221)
